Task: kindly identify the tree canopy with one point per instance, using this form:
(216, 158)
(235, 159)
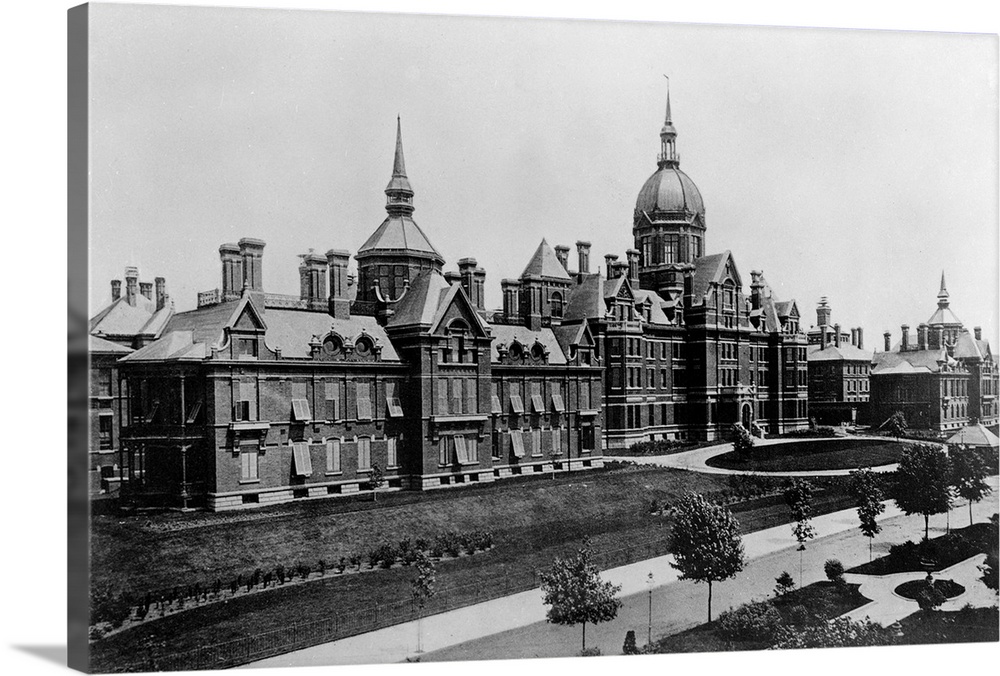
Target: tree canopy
(576, 594)
(922, 482)
(705, 542)
(743, 441)
(868, 497)
(969, 472)
(896, 424)
(798, 497)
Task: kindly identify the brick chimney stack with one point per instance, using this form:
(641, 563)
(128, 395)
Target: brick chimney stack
(823, 313)
(312, 280)
(854, 337)
(232, 271)
(252, 253)
(922, 336)
(562, 253)
(116, 289)
(978, 332)
(609, 261)
(339, 302)
(861, 338)
(511, 298)
(632, 255)
(905, 342)
(473, 280)
(146, 290)
(836, 335)
(888, 337)
(131, 285)
(583, 257)
(161, 293)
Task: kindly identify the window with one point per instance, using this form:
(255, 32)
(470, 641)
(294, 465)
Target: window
(442, 396)
(300, 410)
(248, 463)
(104, 432)
(495, 449)
(444, 451)
(392, 405)
(246, 348)
(536, 441)
(517, 443)
(103, 382)
(154, 409)
(333, 400)
(556, 441)
(471, 396)
(364, 401)
(495, 406)
(301, 461)
(390, 452)
(585, 395)
(456, 395)
(246, 394)
(193, 413)
(364, 453)
(333, 455)
(472, 448)
(461, 451)
(671, 248)
(516, 405)
(587, 438)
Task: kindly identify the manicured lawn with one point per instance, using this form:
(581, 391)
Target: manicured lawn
(942, 552)
(969, 625)
(814, 455)
(812, 604)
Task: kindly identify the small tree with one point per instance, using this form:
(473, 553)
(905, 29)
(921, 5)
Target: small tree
(743, 441)
(785, 583)
(922, 482)
(629, 647)
(706, 543)
(422, 587)
(576, 594)
(375, 480)
(930, 597)
(868, 497)
(896, 424)
(968, 476)
(798, 497)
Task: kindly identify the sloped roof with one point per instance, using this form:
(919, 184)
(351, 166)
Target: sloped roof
(846, 352)
(400, 233)
(914, 361)
(100, 346)
(505, 334)
(943, 315)
(544, 263)
(967, 347)
(121, 319)
(585, 299)
(172, 345)
(974, 435)
(784, 307)
(708, 269)
(656, 314)
(569, 335)
(421, 302)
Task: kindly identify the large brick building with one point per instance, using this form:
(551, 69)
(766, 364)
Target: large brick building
(256, 398)
(839, 369)
(941, 379)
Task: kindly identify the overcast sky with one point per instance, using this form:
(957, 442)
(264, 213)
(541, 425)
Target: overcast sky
(852, 164)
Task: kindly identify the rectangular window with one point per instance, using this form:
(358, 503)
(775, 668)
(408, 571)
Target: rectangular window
(391, 459)
(461, 451)
(246, 395)
(301, 461)
(558, 404)
(364, 453)
(442, 396)
(105, 432)
(495, 406)
(471, 396)
(248, 463)
(556, 441)
(332, 389)
(193, 413)
(246, 347)
(536, 441)
(456, 396)
(516, 405)
(472, 448)
(364, 401)
(103, 382)
(392, 404)
(517, 443)
(300, 410)
(153, 410)
(444, 450)
(333, 455)
(587, 438)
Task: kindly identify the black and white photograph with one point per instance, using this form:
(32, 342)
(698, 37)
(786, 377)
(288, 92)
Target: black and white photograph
(402, 337)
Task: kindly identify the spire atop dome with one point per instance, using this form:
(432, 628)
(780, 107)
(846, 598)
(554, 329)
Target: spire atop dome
(943, 296)
(399, 193)
(668, 156)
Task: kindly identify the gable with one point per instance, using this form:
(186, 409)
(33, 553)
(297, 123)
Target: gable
(246, 317)
(456, 307)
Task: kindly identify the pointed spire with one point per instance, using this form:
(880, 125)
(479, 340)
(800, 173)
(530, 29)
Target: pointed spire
(667, 120)
(398, 166)
(943, 293)
(668, 156)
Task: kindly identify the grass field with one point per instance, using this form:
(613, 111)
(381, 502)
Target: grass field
(813, 455)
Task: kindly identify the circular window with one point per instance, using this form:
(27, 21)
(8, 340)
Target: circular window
(363, 347)
(515, 352)
(332, 346)
(537, 352)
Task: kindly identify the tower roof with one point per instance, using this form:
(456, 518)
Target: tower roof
(399, 182)
(544, 263)
(943, 315)
(402, 234)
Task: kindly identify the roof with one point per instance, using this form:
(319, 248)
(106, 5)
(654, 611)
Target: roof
(572, 334)
(505, 334)
(585, 298)
(100, 346)
(544, 263)
(708, 269)
(967, 347)
(943, 315)
(669, 189)
(121, 319)
(846, 352)
(656, 303)
(974, 435)
(913, 361)
(420, 303)
(399, 232)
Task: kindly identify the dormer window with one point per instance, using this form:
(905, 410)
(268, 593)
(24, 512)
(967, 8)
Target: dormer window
(537, 352)
(333, 346)
(516, 352)
(246, 348)
(363, 347)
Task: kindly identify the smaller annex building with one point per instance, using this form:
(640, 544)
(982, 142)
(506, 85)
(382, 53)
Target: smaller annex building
(839, 370)
(941, 379)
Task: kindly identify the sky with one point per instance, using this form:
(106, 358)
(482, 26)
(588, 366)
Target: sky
(856, 165)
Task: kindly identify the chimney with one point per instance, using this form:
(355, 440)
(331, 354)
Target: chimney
(861, 338)
(339, 302)
(116, 289)
(146, 290)
(937, 337)
(823, 313)
(471, 281)
(922, 336)
(562, 253)
(888, 337)
(854, 337)
(131, 285)
(583, 257)
(978, 332)
(836, 335)
(312, 280)
(822, 336)
(609, 260)
(161, 293)
(756, 286)
(232, 271)
(511, 298)
(905, 344)
(452, 277)
(252, 253)
(632, 255)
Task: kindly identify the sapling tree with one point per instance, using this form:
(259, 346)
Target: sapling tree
(922, 482)
(706, 542)
(422, 588)
(375, 480)
(798, 497)
(575, 593)
(868, 497)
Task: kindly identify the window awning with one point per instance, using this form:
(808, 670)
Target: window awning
(495, 406)
(516, 405)
(302, 462)
(394, 407)
(537, 405)
(517, 443)
(558, 404)
(300, 410)
(461, 450)
(193, 413)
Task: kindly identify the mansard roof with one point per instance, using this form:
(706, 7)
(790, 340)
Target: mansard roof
(98, 345)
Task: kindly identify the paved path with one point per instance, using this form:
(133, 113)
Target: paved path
(887, 606)
(515, 626)
(696, 460)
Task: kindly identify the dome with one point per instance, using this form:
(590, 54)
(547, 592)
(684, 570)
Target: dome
(669, 189)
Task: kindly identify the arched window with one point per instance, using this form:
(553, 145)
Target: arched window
(556, 304)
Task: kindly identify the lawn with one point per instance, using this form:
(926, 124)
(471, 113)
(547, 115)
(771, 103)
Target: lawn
(808, 605)
(813, 455)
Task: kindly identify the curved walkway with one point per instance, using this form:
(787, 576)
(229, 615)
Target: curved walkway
(887, 606)
(696, 460)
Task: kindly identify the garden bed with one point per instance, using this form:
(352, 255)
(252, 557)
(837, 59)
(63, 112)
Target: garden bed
(911, 590)
(940, 552)
(822, 454)
(968, 625)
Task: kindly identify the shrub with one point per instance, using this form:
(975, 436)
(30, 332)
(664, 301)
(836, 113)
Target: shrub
(758, 621)
(629, 647)
(785, 584)
(321, 567)
(279, 574)
(421, 545)
(838, 633)
(930, 597)
(834, 570)
(590, 652)
(384, 556)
